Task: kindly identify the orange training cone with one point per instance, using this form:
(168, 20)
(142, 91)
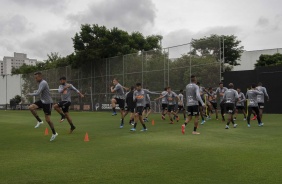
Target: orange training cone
(86, 138)
(46, 131)
(153, 122)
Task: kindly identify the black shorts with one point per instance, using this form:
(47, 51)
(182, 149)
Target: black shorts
(120, 103)
(230, 108)
(214, 105)
(240, 107)
(139, 110)
(147, 107)
(200, 104)
(164, 106)
(180, 108)
(129, 109)
(47, 108)
(170, 108)
(261, 105)
(222, 107)
(255, 109)
(193, 110)
(64, 105)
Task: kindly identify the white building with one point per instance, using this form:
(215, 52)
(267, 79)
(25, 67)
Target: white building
(249, 58)
(1, 68)
(15, 62)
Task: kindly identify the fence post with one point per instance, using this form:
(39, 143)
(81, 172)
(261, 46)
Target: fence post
(123, 69)
(190, 67)
(168, 67)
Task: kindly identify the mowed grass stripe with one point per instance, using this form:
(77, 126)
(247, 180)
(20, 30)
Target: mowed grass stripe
(161, 155)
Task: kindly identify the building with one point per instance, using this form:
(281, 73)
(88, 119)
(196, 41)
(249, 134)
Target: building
(15, 62)
(1, 68)
(249, 58)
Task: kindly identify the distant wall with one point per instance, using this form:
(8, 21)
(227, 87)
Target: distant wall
(270, 78)
(249, 58)
(13, 83)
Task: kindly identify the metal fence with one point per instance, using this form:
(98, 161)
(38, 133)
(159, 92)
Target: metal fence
(155, 69)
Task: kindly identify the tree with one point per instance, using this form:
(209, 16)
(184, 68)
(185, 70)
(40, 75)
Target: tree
(54, 60)
(269, 60)
(96, 42)
(213, 45)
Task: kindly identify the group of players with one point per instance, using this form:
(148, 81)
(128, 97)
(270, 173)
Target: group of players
(46, 102)
(136, 101)
(199, 101)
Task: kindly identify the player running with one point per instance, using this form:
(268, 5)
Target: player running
(45, 103)
(212, 99)
(230, 98)
(62, 107)
(252, 96)
(202, 94)
(130, 105)
(170, 97)
(192, 97)
(261, 99)
(220, 91)
(147, 109)
(240, 104)
(139, 96)
(164, 104)
(119, 97)
(181, 104)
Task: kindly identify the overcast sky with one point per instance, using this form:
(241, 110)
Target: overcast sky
(38, 27)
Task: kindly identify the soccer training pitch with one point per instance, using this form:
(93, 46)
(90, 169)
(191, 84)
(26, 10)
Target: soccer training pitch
(161, 155)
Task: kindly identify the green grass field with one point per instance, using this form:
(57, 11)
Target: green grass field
(161, 155)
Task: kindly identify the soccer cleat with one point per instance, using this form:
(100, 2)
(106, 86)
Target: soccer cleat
(54, 136)
(260, 124)
(183, 129)
(244, 119)
(144, 130)
(132, 123)
(177, 118)
(195, 133)
(133, 129)
(254, 118)
(203, 122)
(234, 119)
(72, 129)
(114, 114)
(38, 124)
(163, 117)
(235, 125)
(62, 119)
(121, 125)
(171, 122)
(249, 125)
(226, 127)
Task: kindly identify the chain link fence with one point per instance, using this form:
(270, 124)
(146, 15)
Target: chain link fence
(155, 69)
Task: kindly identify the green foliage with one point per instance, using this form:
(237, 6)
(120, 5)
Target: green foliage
(213, 45)
(18, 99)
(54, 60)
(269, 60)
(95, 42)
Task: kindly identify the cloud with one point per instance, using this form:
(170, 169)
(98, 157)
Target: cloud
(262, 22)
(52, 41)
(16, 24)
(183, 36)
(53, 5)
(124, 14)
